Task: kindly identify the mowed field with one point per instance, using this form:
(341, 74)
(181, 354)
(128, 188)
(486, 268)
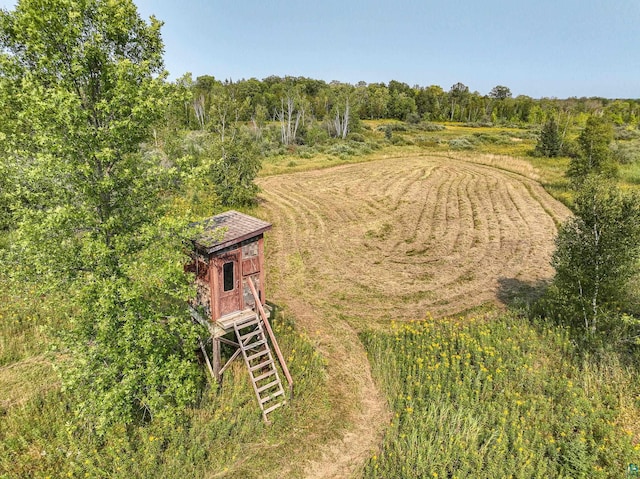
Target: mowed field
(402, 238)
(354, 247)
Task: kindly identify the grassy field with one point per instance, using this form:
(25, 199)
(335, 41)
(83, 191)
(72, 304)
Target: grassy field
(357, 246)
(449, 139)
(225, 436)
(372, 145)
(500, 397)
(443, 221)
(413, 234)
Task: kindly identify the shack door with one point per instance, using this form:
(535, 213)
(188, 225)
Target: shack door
(229, 281)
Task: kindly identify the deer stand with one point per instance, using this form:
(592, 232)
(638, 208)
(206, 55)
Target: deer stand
(230, 284)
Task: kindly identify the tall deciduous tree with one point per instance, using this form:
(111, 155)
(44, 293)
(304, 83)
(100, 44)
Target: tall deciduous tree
(431, 103)
(375, 101)
(226, 110)
(458, 96)
(597, 253)
(235, 164)
(290, 115)
(401, 105)
(342, 110)
(500, 92)
(87, 79)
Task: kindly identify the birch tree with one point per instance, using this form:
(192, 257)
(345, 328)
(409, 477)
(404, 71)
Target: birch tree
(340, 111)
(597, 253)
(341, 120)
(290, 115)
(458, 96)
(595, 157)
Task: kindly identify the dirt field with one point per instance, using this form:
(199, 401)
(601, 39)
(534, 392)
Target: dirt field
(356, 246)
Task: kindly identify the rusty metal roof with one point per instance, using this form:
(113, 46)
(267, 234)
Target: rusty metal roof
(227, 229)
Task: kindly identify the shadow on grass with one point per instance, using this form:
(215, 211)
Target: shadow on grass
(515, 293)
(613, 338)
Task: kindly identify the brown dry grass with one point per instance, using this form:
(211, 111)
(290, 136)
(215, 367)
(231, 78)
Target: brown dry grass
(358, 245)
(403, 238)
(22, 380)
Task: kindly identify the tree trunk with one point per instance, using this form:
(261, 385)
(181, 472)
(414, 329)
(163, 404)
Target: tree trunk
(198, 109)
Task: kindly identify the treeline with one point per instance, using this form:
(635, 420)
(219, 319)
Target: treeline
(297, 101)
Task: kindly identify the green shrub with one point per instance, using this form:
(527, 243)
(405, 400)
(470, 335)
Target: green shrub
(314, 135)
(428, 126)
(570, 148)
(495, 139)
(342, 148)
(428, 141)
(413, 118)
(479, 124)
(398, 140)
(625, 133)
(394, 127)
(306, 152)
(626, 153)
(463, 143)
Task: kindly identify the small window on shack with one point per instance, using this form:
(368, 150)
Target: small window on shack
(227, 276)
(250, 250)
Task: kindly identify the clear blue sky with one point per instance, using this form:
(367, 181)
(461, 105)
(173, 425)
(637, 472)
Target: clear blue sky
(535, 47)
(538, 48)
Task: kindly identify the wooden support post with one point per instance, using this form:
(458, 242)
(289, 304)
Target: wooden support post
(206, 359)
(230, 360)
(215, 345)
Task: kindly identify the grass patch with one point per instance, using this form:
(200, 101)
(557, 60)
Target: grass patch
(370, 144)
(224, 436)
(499, 398)
(382, 233)
(25, 319)
(630, 173)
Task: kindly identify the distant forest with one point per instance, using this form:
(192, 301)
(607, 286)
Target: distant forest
(299, 101)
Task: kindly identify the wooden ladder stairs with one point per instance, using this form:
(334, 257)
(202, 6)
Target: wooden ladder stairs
(261, 365)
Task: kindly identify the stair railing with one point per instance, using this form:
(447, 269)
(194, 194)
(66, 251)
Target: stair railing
(285, 369)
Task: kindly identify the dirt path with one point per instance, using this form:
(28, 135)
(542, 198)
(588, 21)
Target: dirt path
(356, 246)
(353, 392)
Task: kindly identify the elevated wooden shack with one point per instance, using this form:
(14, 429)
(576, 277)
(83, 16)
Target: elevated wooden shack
(228, 262)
